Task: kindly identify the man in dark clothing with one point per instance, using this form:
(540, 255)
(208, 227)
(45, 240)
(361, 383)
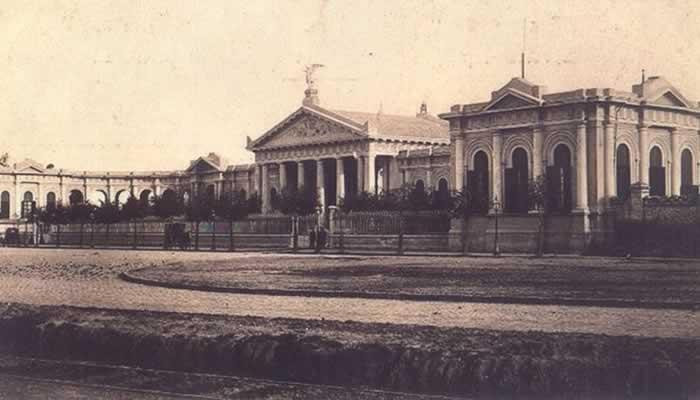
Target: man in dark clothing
(321, 239)
(312, 238)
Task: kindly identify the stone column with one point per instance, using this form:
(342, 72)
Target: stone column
(360, 174)
(675, 163)
(459, 163)
(370, 174)
(610, 168)
(643, 154)
(536, 151)
(340, 180)
(599, 175)
(300, 174)
(283, 176)
(497, 141)
(320, 184)
(581, 168)
(264, 189)
(257, 183)
(17, 211)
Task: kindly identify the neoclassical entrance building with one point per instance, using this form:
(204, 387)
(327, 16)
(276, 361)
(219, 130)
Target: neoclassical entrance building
(340, 153)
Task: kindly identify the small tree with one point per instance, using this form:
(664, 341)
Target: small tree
(107, 213)
(167, 206)
(302, 201)
(537, 197)
(132, 209)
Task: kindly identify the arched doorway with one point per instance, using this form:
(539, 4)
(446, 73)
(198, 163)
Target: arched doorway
(420, 186)
(478, 181)
(75, 197)
(559, 180)
(27, 204)
(517, 177)
(687, 172)
(5, 205)
(443, 194)
(624, 173)
(657, 173)
(50, 200)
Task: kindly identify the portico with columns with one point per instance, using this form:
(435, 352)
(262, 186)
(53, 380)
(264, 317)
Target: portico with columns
(338, 154)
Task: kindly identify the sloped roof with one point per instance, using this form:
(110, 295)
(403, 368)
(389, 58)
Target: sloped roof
(400, 126)
(363, 125)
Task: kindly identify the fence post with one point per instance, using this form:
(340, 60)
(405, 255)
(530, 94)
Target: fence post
(81, 234)
(133, 242)
(213, 234)
(295, 234)
(58, 235)
(341, 238)
(196, 235)
(107, 234)
(92, 235)
(400, 233)
(230, 235)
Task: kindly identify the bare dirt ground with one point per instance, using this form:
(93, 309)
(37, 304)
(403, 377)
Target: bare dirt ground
(88, 278)
(562, 280)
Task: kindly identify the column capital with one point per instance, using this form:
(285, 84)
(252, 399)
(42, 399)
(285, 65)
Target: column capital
(643, 126)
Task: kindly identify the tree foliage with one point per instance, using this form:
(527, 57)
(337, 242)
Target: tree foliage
(301, 201)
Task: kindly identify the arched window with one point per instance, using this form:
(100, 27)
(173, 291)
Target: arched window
(420, 186)
(50, 200)
(5, 205)
(687, 172)
(516, 196)
(145, 197)
(559, 180)
(657, 173)
(211, 192)
(478, 181)
(27, 205)
(443, 194)
(75, 197)
(624, 174)
(274, 199)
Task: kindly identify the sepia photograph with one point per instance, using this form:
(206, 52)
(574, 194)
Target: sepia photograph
(349, 199)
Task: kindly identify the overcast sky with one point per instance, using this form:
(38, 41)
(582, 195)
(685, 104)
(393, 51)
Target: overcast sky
(137, 85)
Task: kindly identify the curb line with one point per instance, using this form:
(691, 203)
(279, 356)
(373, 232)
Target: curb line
(129, 277)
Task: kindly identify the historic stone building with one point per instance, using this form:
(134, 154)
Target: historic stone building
(31, 181)
(340, 153)
(592, 145)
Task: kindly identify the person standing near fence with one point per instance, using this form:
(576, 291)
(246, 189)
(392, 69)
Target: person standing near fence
(312, 238)
(321, 239)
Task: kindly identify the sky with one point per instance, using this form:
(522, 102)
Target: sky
(150, 85)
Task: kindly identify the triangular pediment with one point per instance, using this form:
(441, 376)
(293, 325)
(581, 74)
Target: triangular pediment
(670, 99)
(512, 99)
(202, 166)
(307, 127)
(29, 166)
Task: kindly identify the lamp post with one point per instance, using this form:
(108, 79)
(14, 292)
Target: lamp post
(213, 230)
(496, 210)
